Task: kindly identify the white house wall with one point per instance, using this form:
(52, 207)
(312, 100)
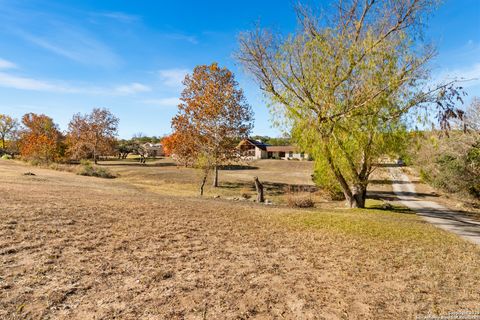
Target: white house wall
(294, 155)
(260, 154)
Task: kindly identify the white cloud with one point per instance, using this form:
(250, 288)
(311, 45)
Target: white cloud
(132, 88)
(470, 74)
(181, 37)
(8, 80)
(74, 44)
(5, 64)
(163, 102)
(58, 33)
(119, 16)
(24, 83)
(173, 77)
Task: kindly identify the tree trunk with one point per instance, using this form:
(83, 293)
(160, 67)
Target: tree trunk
(259, 188)
(203, 183)
(215, 176)
(358, 196)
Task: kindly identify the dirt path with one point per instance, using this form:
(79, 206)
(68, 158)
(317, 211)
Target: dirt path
(431, 211)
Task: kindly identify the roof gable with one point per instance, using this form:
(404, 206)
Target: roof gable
(255, 143)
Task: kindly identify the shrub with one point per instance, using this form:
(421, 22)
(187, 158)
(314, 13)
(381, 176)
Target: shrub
(300, 200)
(450, 163)
(35, 162)
(84, 162)
(87, 169)
(246, 195)
(55, 166)
(331, 194)
(6, 157)
(327, 184)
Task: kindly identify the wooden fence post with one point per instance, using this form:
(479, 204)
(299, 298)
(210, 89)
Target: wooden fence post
(259, 188)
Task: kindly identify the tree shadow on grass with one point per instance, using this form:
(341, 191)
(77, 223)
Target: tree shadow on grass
(391, 196)
(138, 164)
(391, 208)
(238, 167)
(389, 181)
(389, 165)
(272, 188)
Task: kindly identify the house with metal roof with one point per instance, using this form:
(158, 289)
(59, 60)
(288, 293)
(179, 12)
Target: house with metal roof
(254, 149)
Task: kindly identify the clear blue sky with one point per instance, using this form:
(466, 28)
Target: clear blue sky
(63, 57)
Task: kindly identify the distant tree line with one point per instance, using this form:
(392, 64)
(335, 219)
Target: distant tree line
(282, 141)
(36, 137)
(137, 146)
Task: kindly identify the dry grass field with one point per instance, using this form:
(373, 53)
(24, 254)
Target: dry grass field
(165, 177)
(143, 246)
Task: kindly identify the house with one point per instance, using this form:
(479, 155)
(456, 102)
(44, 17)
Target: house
(254, 149)
(153, 149)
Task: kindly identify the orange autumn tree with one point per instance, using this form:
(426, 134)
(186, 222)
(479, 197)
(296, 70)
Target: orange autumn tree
(92, 134)
(212, 116)
(179, 147)
(40, 138)
(172, 144)
(167, 144)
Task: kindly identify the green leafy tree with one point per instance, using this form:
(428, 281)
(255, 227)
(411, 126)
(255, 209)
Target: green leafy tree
(345, 82)
(8, 131)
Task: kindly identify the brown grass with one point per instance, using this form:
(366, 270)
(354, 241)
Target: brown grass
(300, 200)
(165, 177)
(74, 247)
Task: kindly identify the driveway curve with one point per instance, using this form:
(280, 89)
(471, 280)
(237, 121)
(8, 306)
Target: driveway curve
(431, 211)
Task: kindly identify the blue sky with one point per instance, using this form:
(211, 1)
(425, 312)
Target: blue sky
(63, 57)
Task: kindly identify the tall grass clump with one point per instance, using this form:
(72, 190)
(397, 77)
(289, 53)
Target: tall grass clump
(300, 200)
(86, 168)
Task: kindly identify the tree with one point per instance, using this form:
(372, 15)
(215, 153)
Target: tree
(472, 115)
(279, 141)
(213, 115)
(168, 144)
(450, 163)
(180, 148)
(8, 130)
(124, 147)
(92, 134)
(40, 138)
(345, 84)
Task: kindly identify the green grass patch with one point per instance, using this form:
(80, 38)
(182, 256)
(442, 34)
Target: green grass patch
(373, 224)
